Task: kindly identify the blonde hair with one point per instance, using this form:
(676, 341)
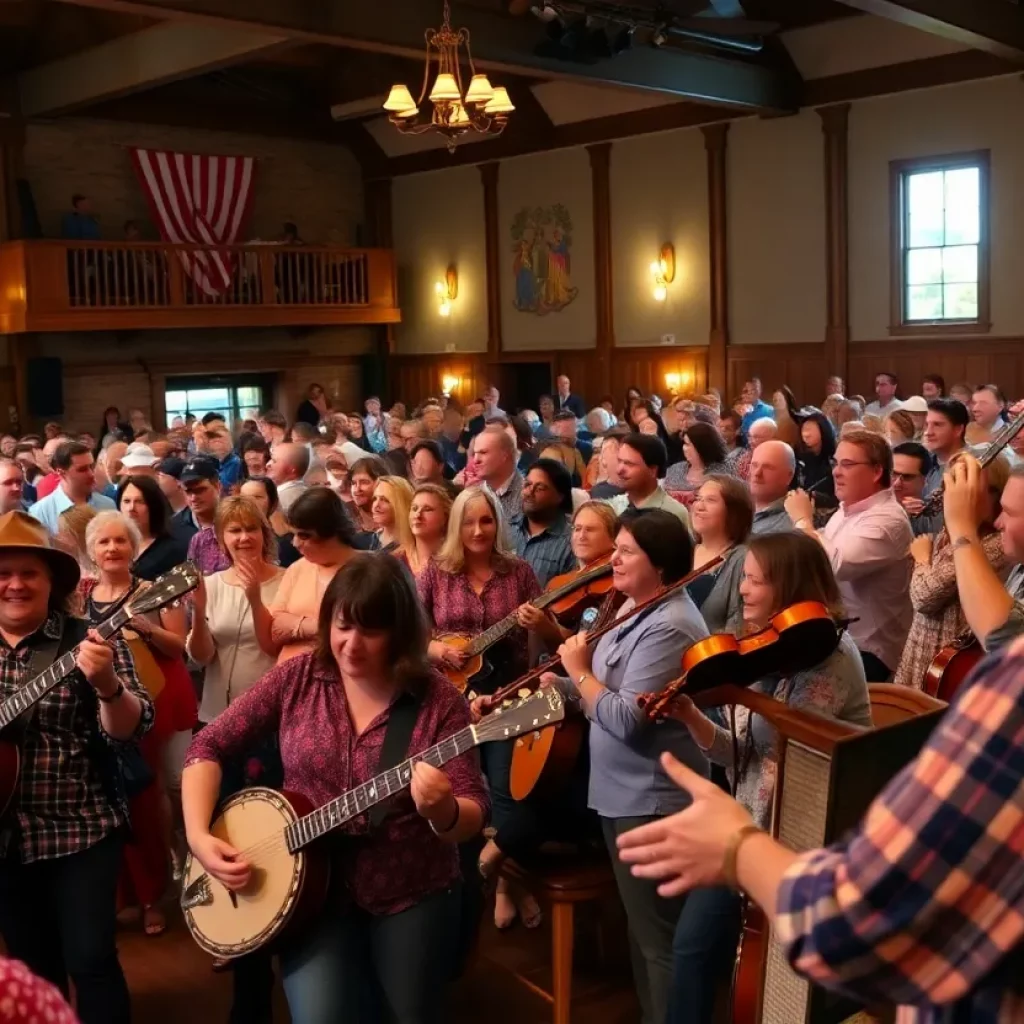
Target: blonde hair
(245, 511)
(399, 493)
(74, 522)
(452, 556)
(445, 501)
(871, 422)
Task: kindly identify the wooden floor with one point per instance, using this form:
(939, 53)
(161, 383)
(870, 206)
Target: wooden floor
(171, 981)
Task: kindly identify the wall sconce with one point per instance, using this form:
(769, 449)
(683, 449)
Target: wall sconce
(675, 382)
(663, 270)
(447, 290)
(449, 384)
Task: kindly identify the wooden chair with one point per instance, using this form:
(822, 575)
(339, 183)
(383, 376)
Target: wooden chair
(560, 883)
(891, 703)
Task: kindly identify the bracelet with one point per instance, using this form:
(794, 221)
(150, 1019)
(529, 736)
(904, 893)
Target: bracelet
(116, 695)
(732, 851)
(584, 675)
(444, 831)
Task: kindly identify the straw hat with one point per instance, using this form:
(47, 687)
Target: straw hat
(20, 532)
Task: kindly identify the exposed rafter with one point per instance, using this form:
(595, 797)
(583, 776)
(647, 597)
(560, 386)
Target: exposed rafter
(499, 42)
(994, 26)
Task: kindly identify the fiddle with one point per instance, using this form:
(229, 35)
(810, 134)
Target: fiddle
(797, 638)
(533, 677)
(581, 589)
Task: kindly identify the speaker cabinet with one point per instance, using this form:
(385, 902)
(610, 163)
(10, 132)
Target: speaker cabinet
(44, 378)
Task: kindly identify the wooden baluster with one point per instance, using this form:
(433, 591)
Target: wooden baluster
(102, 258)
(267, 258)
(175, 279)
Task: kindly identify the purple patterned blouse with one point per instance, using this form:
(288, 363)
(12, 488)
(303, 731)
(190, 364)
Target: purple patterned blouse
(401, 861)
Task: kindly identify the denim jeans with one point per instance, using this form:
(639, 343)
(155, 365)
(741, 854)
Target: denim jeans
(703, 953)
(496, 761)
(59, 916)
(355, 966)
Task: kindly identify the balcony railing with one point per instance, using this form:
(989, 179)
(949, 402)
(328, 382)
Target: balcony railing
(60, 285)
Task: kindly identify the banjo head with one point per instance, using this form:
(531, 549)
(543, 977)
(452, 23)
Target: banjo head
(231, 924)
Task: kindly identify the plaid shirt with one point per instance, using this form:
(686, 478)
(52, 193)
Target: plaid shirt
(63, 805)
(923, 906)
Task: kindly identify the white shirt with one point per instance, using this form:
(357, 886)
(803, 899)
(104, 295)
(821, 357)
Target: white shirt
(875, 409)
(289, 492)
(867, 544)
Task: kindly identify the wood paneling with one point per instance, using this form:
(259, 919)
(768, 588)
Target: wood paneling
(715, 142)
(970, 360)
(600, 169)
(801, 367)
(646, 368)
(835, 126)
(413, 378)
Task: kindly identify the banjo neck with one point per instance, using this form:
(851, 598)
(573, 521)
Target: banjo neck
(325, 819)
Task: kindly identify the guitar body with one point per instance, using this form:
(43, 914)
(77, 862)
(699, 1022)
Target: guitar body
(543, 760)
(748, 976)
(951, 666)
(285, 891)
(460, 677)
(10, 769)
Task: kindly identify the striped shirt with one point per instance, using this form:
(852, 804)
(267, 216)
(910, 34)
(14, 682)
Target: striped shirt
(923, 906)
(548, 552)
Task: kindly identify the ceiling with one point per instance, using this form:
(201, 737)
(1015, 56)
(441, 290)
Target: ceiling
(202, 63)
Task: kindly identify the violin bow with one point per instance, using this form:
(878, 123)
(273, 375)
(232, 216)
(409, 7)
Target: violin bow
(534, 675)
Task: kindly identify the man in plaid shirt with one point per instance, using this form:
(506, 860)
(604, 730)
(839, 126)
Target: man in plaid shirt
(60, 846)
(923, 906)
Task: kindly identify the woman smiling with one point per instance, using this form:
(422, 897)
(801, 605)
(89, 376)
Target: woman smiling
(392, 498)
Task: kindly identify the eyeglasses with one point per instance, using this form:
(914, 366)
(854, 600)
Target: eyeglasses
(848, 463)
(907, 477)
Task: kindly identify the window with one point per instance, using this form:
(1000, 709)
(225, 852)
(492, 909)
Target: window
(235, 398)
(940, 245)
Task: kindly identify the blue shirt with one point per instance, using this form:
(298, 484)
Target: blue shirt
(79, 227)
(47, 510)
(760, 410)
(641, 657)
(230, 473)
(549, 552)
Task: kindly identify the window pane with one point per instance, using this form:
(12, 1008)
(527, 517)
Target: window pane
(963, 205)
(961, 302)
(208, 399)
(924, 266)
(924, 302)
(175, 399)
(249, 396)
(959, 265)
(926, 205)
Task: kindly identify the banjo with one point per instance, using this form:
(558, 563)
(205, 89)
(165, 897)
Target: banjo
(276, 832)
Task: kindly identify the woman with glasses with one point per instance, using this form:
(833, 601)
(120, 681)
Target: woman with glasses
(938, 616)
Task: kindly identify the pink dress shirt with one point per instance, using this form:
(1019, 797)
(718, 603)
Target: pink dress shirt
(868, 544)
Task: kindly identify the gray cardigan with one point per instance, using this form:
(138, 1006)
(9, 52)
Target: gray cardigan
(722, 609)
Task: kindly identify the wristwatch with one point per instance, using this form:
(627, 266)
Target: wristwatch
(116, 695)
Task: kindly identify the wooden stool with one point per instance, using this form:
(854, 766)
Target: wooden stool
(561, 883)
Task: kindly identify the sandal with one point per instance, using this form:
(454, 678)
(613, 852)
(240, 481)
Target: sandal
(153, 921)
(529, 911)
(505, 909)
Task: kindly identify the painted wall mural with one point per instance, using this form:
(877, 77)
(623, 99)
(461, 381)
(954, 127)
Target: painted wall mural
(542, 263)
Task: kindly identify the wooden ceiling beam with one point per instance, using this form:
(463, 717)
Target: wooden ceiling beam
(994, 26)
(499, 42)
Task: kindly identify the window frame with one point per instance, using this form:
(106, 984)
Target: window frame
(899, 171)
(231, 382)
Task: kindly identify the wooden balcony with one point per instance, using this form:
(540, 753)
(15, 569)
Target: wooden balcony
(48, 285)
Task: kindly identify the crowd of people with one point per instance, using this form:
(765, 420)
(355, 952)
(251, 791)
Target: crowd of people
(348, 556)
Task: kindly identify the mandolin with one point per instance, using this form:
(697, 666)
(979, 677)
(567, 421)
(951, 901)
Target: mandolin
(167, 589)
(951, 667)
(277, 832)
(474, 647)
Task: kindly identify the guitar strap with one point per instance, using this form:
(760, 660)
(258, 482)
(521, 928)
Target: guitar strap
(40, 660)
(395, 748)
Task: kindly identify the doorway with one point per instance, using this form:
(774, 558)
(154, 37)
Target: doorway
(235, 397)
(522, 384)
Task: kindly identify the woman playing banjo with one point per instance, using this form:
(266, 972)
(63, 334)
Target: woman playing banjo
(390, 930)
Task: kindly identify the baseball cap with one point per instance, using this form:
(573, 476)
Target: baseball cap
(199, 469)
(138, 455)
(172, 466)
(915, 403)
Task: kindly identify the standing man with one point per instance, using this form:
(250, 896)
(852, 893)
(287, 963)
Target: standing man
(75, 466)
(495, 456)
(567, 400)
(289, 463)
(200, 480)
(835, 386)
(61, 848)
(491, 408)
(12, 483)
(451, 439)
(751, 395)
(886, 386)
(867, 541)
(168, 476)
(541, 532)
(642, 462)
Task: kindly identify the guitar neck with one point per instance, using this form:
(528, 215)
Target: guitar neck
(329, 817)
(36, 689)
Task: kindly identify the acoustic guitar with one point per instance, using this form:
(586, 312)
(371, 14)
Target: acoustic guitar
(951, 666)
(474, 647)
(167, 589)
(277, 831)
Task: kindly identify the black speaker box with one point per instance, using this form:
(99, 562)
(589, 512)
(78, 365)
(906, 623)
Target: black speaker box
(44, 377)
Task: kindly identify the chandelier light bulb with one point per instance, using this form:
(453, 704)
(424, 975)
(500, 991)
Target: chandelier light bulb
(445, 90)
(660, 293)
(480, 90)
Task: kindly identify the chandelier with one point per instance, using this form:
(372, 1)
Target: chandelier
(481, 108)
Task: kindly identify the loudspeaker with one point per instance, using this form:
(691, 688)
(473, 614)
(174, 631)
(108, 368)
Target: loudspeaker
(44, 379)
(373, 377)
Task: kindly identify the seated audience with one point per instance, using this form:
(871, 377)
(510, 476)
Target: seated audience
(704, 454)
(429, 513)
(541, 533)
(815, 451)
(772, 470)
(642, 462)
(392, 497)
(911, 464)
